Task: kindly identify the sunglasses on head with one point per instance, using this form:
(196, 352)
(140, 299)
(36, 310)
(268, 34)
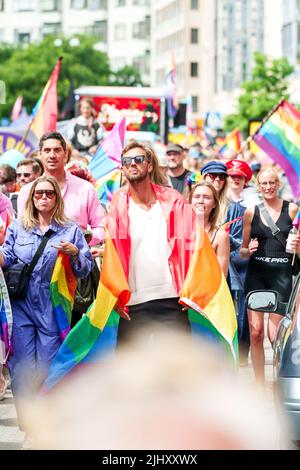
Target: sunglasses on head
(213, 176)
(50, 193)
(24, 174)
(138, 159)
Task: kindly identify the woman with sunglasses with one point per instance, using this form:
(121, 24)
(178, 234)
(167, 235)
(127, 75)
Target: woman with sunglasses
(35, 334)
(269, 266)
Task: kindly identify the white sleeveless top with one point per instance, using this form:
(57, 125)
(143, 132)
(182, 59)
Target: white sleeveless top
(149, 274)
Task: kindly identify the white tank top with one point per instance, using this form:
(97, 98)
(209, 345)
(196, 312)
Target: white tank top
(149, 274)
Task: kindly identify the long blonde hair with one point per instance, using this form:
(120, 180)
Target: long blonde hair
(29, 219)
(214, 215)
(156, 174)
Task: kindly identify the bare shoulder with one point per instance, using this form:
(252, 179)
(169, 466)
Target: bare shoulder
(249, 214)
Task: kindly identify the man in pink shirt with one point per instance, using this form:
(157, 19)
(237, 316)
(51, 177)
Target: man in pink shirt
(80, 197)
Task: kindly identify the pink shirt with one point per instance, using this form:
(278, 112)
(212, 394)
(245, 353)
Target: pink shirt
(81, 205)
(6, 208)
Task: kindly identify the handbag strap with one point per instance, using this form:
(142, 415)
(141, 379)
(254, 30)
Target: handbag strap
(274, 229)
(40, 250)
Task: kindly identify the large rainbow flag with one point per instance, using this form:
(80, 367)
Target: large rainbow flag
(62, 290)
(45, 111)
(197, 273)
(279, 137)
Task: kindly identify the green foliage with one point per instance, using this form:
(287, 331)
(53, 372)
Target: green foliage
(126, 76)
(266, 87)
(25, 70)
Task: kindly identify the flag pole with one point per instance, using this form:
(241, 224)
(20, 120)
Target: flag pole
(265, 119)
(19, 144)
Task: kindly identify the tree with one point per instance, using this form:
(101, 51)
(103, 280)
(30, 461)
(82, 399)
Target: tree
(26, 69)
(266, 87)
(126, 76)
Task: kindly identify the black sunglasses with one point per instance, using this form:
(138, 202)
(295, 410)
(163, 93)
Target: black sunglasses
(138, 159)
(24, 174)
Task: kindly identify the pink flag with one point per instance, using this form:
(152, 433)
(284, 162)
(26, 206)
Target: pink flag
(17, 108)
(108, 156)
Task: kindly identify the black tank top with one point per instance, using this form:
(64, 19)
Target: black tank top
(268, 244)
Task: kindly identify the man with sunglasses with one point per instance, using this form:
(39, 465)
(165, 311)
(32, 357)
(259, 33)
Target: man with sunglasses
(81, 200)
(28, 170)
(177, 173)
(156, 223)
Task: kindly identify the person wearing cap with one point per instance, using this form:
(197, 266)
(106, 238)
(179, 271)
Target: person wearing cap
(231, 214)
(177, 173)
(240, 174)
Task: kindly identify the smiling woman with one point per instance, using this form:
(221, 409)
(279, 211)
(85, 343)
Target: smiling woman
(269, 266)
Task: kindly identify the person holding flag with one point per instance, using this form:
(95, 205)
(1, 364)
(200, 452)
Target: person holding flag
(265, 231)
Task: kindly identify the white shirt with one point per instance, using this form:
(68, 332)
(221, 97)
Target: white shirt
(149, 274)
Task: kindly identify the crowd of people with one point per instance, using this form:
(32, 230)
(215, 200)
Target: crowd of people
(53, 193)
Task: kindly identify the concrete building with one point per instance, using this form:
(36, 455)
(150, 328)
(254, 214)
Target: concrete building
(122, 26)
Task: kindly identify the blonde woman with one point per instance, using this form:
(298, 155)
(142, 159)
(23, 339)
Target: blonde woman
(269, 265)
(204, 197)
(35, 335)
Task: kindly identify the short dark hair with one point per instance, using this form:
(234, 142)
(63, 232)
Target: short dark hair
(52, 135)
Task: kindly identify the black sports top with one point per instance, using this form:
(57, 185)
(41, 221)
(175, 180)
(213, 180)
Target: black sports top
(268, 244)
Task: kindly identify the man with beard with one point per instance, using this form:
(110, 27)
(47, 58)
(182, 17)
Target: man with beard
(177, 173)
(153, 219)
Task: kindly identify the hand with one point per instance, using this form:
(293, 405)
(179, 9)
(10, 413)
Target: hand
(295, 243)
(67, 248)
(97, 251)
(123, 314)
(184, 309)
(253, 245)
(92, 149)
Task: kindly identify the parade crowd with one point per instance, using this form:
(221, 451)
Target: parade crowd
(49, 204)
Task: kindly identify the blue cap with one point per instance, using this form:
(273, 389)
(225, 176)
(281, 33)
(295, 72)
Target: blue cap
(213, 167)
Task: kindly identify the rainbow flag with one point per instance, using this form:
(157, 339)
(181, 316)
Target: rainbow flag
(204, 289)
(279, 137)
(107, 186)
(97, 330)
(296, 221)
(206, 293)
(45, 111)
(6, 322)
(108, 156)
(62, 290)
(232, 141)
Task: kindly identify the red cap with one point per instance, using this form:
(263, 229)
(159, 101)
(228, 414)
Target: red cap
(240, 168)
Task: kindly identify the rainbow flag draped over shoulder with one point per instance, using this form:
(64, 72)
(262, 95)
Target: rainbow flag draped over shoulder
(6, 321)
(97, 330)
(232, 141)
(45, 111)
(196, 274)
(62, 290)
(279, 137)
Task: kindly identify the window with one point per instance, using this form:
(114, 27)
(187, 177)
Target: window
(120, 3)
(22, 38)
(195, 104)
(1, 5)
(194, 4)
(194, 69)
(98, 4)
(120, 32)
(99, 29)
(78, 4)
(24, 5)
(51, 28)
(141, 30)
(50, 5)
(194, 36)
